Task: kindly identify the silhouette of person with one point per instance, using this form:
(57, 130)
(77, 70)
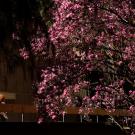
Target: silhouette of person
(3, 115)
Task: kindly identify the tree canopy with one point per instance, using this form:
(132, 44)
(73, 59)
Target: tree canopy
(75, 46)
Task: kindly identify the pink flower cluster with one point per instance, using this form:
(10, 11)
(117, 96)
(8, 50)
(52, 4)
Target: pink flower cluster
(38, 45)
(24, 53)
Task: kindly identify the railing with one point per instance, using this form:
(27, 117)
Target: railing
(18, 108)
(24, 108)
(101, 112)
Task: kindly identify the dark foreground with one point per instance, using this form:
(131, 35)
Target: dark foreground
(59, 129)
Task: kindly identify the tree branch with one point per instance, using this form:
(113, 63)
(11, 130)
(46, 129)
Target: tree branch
(121, 19)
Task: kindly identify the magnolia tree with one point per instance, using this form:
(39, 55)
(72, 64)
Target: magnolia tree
(85, 46)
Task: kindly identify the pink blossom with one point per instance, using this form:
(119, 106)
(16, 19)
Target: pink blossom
(132, 108)
(24, 53)
(40, 120)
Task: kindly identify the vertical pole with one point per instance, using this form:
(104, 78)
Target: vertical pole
(97, 119)
(126, 121)
(63, 118)
(22, 117)
(112, 120)
(81, 118)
